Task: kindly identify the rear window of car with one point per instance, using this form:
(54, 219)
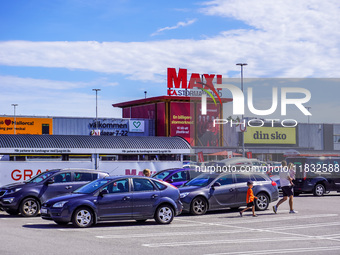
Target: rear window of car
(160, 186)
(84, 177)
(142, 185)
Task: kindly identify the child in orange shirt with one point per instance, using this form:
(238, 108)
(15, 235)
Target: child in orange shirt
(250, 199)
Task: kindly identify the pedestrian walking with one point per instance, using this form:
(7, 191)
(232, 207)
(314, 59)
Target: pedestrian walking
(292, 172)
(249, 199)
(286, 182)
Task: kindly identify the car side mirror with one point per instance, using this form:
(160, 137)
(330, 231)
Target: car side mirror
(169, 181)
(217, 184)
(103, 192)
(50, 181)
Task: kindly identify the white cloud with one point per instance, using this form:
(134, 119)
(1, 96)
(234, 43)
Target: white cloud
(30, 83)
(178, 25)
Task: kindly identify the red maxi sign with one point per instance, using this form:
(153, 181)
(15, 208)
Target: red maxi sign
(179, 81)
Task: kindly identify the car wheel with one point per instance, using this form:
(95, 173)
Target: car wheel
(199, 206)
(319, 190)
(12, 212)
(262, 202)
(82, 217)
(61, 223)
(29, 207)
(164, 214)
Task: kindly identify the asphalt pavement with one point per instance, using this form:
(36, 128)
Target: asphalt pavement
(314, 230)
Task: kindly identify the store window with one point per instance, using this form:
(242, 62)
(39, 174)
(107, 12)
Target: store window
(336, 138)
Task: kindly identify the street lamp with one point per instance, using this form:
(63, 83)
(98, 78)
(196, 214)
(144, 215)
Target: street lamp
(14, 105)
(242, 64)
(96, 107)
(308, 124)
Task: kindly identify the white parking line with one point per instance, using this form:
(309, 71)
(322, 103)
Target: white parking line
(305, 226)
(224, 241)
(281, 251)
(127, 227)
(269, 230)
(172, 234)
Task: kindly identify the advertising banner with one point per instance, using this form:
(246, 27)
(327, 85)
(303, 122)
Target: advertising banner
(32, 126)
(109, 127)
(180, 120)
(207, 134)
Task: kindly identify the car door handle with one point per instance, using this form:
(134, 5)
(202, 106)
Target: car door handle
(231, 190)
(126, 198)
(68, 187)
(154, 196)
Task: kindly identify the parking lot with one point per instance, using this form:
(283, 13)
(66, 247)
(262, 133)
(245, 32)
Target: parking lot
(315, 229)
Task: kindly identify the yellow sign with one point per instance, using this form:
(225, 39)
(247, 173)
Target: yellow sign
(32, 126)
(270, 135)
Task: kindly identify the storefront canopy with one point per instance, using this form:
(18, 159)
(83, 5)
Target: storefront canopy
(74, 144)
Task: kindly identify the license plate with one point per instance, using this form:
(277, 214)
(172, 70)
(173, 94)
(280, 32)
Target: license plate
(43, 210)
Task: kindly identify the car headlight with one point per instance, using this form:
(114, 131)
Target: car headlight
(183, 195)
(8, 200)
(11, 191)
(59, 204)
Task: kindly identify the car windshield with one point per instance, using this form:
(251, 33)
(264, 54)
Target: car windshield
(202, 180)
(40, 177)
(92, 186)
(161, 175)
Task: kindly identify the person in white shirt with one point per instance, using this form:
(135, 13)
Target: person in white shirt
(292, 172)
(286, 182)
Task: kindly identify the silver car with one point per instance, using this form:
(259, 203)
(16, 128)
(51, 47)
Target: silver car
(215, 191)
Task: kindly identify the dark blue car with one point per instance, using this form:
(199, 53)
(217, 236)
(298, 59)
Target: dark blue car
(115, 198)
(177, 176)
(26, 197)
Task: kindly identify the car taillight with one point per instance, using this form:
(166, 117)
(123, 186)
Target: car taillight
(274, 183)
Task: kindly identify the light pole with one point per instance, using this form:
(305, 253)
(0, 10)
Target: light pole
(15, 121)
(308, 108)
(96, 107)
(242, 64)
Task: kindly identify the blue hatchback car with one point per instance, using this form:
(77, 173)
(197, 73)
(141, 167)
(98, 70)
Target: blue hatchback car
(115, 198)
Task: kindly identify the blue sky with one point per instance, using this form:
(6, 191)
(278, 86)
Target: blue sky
(52, 53)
